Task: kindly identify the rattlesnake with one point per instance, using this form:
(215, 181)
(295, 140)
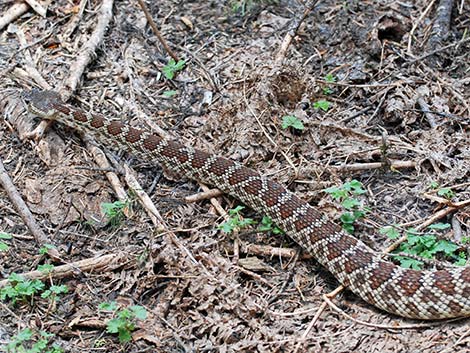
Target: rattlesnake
(433, 294)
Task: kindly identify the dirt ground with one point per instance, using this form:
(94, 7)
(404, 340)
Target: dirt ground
(396, 118)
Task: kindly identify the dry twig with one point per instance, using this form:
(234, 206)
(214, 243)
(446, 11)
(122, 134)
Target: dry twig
(374, 165)
(438, 50)
(100, 263)
(416, 23)
(292, 32)
(23, 211)
(203, 195)
(156, 31)
(38, 7)
(15, 11)
(87, 52)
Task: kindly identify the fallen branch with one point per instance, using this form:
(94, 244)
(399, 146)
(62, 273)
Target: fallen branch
(23, 210)
(203, 195)
(374, 165)
(13, 13)
(156, 31)
(88, 50)
(438, 50)
(416, 23)
(270, 251)
(100, 263)
(37, 7)
(292, 32)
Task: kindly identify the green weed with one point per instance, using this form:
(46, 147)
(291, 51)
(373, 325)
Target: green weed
(292, 121)
(170, 69)
(45, 248)
(114, 212)
(267, 225)
(322, 104)
(46, 268)
(444, 192)
(23, 290)
(54, 291)
(170, 93)
(346, 194)
(236, 221)
(124, 321)
(329, 78)
(426, 246)
(4, 236)
(29, 341)
(20, 289)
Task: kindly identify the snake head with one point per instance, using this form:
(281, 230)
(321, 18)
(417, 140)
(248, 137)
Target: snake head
(41, 103)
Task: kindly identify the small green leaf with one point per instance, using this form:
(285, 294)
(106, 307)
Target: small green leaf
(434, 185)
(62, 289)
(46, 334)
(427, 240)
(24, 335)
(113, 325)
(3, 246)
(446, 192)
(8, 292)
(336, 192)
(5, 236)
(330, 78)
(15, 277)
(292, 121)
(390, 232)
(446, 247)
(226, 227)
(462, 259)
(179, 65)
(236, 210)
(170, 93)
(350, 203)
(46, 294)
(407, 262)
(348, 228)
(322, 104)
(439, 226)
(170, 69)
(45, 248)
(267, 225)
(124, 335)
(139, 312)
(108, 306)
(46, 268)
(347, 217)
(245, 222)
(112, 209)
(125, 314)
(411, 232)
(356, 187)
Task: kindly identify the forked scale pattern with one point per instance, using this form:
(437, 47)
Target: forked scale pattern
(433, 294)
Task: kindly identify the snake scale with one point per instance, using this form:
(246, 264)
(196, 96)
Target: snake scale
(430, 294)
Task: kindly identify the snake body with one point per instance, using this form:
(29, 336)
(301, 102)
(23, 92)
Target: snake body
(430, 294)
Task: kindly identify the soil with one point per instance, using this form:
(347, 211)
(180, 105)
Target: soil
(375, 107)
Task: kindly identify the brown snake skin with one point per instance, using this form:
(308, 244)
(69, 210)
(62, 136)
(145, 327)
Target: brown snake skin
(433, 294)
